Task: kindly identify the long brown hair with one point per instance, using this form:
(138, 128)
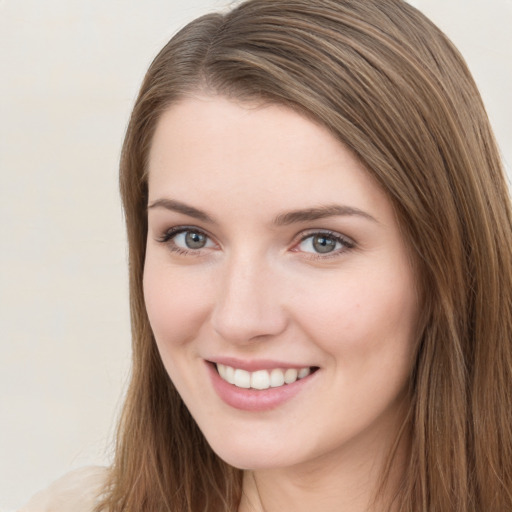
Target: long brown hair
(391, 87)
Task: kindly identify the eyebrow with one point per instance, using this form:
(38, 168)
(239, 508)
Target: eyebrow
(177, 206)
(321, 212)
(283, 219)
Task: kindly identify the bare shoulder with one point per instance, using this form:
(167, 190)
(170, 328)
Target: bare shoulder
(77, 491)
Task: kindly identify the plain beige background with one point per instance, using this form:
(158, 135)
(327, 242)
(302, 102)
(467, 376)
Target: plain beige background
(70, 70)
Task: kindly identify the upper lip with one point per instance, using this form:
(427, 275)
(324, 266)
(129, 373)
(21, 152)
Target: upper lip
(252, 365)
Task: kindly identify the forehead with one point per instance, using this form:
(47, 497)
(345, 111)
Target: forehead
(218, 124)
(214, 147)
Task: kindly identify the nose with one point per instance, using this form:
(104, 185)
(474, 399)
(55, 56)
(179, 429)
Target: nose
(249, 302)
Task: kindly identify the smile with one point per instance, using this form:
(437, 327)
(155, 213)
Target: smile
(261, 379)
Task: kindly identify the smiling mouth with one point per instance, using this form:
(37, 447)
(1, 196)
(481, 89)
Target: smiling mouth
(262, 379)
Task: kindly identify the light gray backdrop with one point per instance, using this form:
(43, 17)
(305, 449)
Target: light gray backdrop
(70, 70)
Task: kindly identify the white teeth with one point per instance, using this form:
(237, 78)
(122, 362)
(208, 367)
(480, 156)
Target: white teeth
(242, 379)
(261, 379)
(290, 375)
(230, 374)
(222, 371)
(304, 372)
(276, 378)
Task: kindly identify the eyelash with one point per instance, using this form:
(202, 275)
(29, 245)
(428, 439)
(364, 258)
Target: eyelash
(346, 243)
(170, 234)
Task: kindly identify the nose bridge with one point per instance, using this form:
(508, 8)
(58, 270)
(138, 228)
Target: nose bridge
(248, 304)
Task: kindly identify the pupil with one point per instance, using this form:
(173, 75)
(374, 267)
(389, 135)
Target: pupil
(323, 244)
(195, 240)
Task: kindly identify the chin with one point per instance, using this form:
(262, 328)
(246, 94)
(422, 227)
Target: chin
(253, 454)
(250, 460)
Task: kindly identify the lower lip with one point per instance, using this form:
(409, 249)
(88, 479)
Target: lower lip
(254, 399)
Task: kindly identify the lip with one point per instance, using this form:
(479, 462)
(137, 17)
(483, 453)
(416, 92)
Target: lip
(252, 399)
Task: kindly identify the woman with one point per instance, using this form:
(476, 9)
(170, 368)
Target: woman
(321, 274)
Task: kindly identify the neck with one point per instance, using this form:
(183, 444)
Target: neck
(348, 481)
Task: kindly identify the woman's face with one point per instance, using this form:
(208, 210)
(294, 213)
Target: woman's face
(277, 285)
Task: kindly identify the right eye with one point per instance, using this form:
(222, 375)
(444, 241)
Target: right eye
(186, 240)
(190, 240)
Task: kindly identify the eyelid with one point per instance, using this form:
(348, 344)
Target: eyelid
(347, 243)
(169, 234)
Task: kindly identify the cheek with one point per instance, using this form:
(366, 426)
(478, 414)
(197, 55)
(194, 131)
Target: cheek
(363, 316)
(175, 303)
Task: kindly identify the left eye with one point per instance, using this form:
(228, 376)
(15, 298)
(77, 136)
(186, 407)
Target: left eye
(191, 240)
(321, 243)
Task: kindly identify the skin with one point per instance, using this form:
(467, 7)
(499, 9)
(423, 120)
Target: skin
(259, 289)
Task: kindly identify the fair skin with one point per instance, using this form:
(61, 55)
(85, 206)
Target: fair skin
(270, 248)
